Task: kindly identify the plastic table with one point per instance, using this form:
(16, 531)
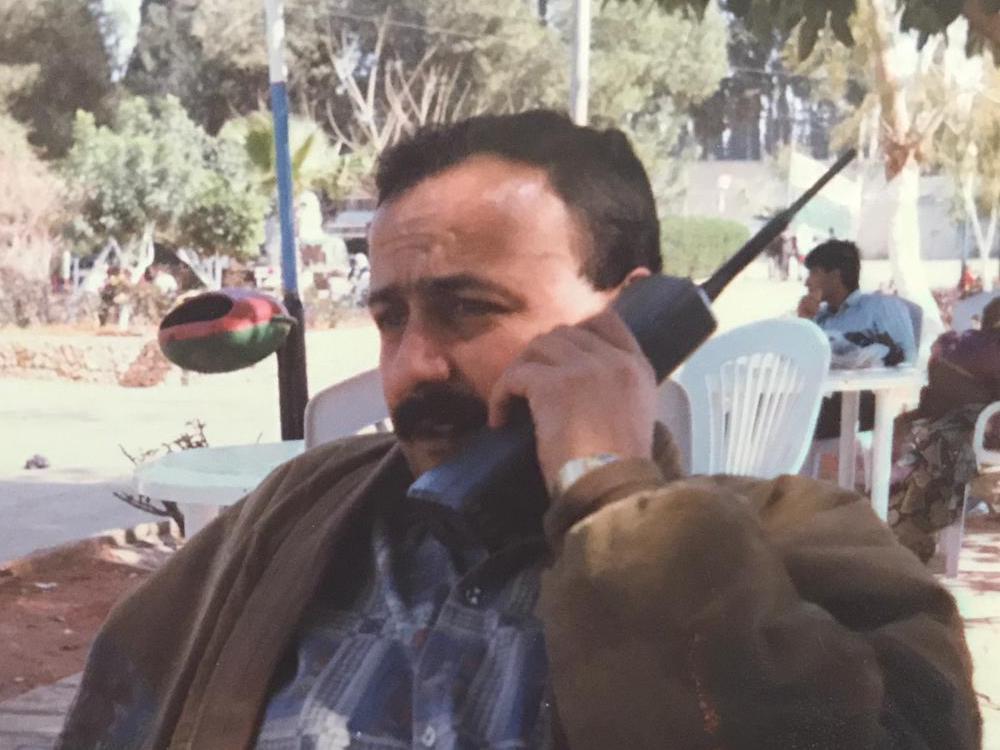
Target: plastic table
(203, 480)
(890, 385)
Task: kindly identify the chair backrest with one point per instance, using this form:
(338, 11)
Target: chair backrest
(755, 393)
(674, 411)
(346, 408)
(921, 339)
(967, 313)
(984, 456)
(916, 313)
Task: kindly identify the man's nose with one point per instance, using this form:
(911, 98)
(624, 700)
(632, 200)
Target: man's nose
(422, 357)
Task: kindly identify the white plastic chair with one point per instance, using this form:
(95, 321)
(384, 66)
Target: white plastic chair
(673, 410)
(755, 394)
(346, 408)
(950, 537)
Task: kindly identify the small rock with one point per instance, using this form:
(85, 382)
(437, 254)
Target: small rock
(68, 631)
(19, 679)
(38, 461)
(46, 586)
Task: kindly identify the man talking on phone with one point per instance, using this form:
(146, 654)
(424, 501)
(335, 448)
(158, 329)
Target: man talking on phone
(609, 603)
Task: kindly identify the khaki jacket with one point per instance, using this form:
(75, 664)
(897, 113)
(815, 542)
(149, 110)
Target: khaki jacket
(680, 614)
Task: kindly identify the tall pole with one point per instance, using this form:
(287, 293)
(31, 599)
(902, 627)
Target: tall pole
(293, 390)
(579, 88)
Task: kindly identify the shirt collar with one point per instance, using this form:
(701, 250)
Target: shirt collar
(828, 312)
(851, 299)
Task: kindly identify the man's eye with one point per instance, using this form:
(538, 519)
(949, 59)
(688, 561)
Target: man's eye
(389, 318)
(470, 308)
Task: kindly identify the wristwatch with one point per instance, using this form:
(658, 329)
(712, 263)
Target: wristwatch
(574, 469)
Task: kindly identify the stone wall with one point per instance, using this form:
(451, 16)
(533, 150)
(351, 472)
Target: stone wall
(130, 361)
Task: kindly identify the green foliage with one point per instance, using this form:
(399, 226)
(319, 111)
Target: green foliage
(52, 63)
(967, 147)
(767, 17)
(209, 54)
(509, 60)
(695, 246)
(645, 60)
(226, 216)
(963, 95)
(648, 70)
(153, 168)
(313, 158)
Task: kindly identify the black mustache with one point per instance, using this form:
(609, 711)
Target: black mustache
(438, 411)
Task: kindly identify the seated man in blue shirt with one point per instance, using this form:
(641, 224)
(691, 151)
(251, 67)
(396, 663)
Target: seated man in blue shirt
(836, 304)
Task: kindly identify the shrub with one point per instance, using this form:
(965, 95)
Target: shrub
(695, 245)
(154, 168)
(23, 301)
(30, 206)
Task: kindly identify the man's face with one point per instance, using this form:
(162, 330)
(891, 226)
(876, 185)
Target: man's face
(467, 267)
(823, 284)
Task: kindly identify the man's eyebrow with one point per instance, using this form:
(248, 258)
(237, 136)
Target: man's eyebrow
(445, 285)
(465, 282)
(385, 295)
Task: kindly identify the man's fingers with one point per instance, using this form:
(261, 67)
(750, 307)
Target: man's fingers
(612, 329)
(514, 382)
(563, 346)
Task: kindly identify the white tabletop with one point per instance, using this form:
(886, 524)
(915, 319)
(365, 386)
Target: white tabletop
(213, 476)
(875, 378)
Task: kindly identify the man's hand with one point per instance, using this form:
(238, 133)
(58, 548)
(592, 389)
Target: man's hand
(809, 305)
(590, 389)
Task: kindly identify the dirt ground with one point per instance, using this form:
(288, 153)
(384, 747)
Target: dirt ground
(53, 603)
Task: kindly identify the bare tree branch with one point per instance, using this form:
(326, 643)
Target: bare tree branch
(379, 42)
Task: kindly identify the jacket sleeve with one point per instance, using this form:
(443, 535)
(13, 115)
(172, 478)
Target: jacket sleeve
(738, 614)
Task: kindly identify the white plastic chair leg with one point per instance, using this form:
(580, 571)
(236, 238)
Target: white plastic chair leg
(197, 516)
(950, 541)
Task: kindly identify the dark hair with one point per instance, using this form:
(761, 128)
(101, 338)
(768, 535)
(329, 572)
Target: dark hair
(596, 173)
(837, 255)
(991, 315)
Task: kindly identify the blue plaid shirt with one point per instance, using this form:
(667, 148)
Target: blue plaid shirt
(431, 641)
(879, 313)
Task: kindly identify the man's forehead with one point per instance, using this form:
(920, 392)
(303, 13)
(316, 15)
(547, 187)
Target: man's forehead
(482, 213)
(483, 178)
(479, 195)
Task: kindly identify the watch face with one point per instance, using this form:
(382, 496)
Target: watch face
(575, 468)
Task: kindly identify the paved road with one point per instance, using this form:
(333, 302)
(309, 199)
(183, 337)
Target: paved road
(32, 721)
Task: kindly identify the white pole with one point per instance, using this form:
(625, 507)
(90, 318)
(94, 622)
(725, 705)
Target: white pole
(580, 81)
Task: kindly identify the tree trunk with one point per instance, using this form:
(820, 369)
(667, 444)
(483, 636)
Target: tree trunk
(984, 240)
(904, 241)
(902, 170)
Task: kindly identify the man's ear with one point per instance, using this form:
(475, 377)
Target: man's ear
(634, 275)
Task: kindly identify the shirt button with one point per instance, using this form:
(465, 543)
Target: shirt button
(428, 738)
(473, 595)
